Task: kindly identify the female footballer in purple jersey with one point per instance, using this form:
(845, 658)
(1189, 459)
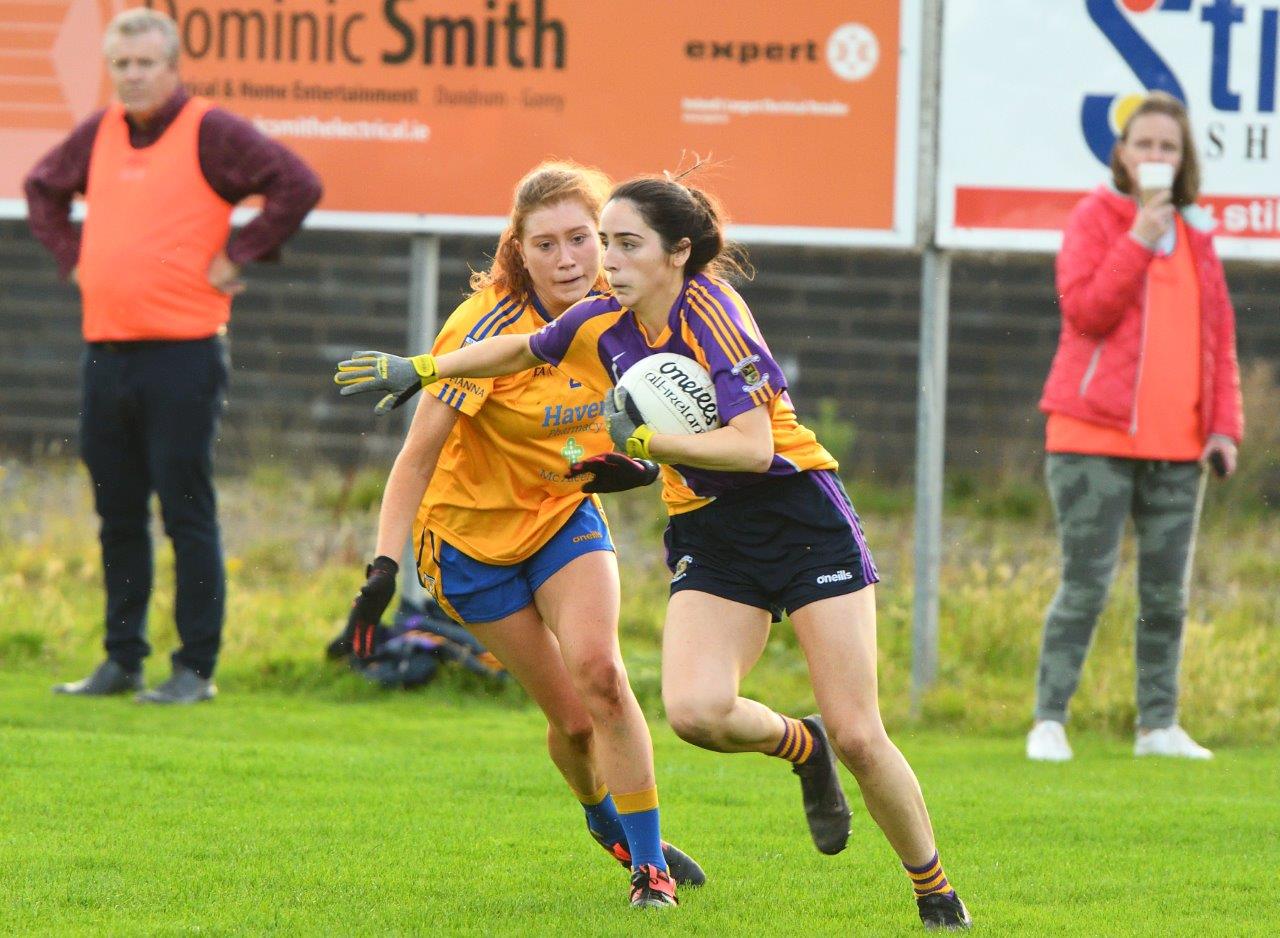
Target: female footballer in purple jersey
(760, 522)
(514, 549)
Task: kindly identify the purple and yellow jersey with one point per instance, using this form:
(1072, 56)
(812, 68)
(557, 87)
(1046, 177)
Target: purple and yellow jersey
(598, 339)
(499, 492)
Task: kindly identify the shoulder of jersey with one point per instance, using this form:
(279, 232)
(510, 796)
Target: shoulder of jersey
(488, 313)
(595, 305)
(715, 288)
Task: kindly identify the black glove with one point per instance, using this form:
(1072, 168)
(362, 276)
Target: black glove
(369, 605)
(614, 472)
(389, 403)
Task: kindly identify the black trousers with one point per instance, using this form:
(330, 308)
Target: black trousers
(148, 419)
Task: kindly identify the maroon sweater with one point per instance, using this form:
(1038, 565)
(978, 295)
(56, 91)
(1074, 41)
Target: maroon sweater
(237, 161)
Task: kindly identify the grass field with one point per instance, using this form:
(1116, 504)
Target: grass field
(439, 814)
(296, 544)
(305, 801)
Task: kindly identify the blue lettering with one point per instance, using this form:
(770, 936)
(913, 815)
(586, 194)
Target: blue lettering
(1267, 62)
(562, 414)
(1221, 15)
(568, 413)
(1142, 59)
(1137, 53)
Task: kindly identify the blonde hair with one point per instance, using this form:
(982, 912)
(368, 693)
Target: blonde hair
(548, 183)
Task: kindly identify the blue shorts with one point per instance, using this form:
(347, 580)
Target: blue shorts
(778, 545)
(470, 590)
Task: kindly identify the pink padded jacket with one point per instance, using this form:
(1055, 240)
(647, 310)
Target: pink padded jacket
(1102, 275)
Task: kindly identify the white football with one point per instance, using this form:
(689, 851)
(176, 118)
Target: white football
(673, 394)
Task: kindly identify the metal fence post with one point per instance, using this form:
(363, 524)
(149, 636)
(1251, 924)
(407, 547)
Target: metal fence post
(931, 400)
(424, 292)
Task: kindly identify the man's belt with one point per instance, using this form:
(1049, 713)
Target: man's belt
(138, 345)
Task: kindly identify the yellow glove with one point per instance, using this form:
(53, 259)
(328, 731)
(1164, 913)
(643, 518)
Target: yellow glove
(638, 443)
(380, 371)
(626, 426)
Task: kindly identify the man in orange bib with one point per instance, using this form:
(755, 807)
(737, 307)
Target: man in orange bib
(160, 172)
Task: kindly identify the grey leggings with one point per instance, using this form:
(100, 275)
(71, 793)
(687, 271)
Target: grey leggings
(1092, 497)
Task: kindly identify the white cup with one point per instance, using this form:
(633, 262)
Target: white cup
(1154, 178)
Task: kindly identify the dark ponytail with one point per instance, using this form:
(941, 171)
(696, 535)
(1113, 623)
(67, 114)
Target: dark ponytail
(677, 211)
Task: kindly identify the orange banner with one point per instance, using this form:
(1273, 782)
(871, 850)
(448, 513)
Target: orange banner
(435, 107)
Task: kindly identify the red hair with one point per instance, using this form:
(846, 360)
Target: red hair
(546, 184)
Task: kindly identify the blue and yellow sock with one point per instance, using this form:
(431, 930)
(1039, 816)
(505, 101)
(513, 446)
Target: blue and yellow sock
(797, 744)
(638, 812)
(602, 815)
(929, 879)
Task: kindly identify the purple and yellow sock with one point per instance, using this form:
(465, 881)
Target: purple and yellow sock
(602, 815)
(797, 744)
(929, 879)
(638, 813)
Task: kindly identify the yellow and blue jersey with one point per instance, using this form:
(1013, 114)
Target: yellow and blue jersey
(499, 492)
(598, 339)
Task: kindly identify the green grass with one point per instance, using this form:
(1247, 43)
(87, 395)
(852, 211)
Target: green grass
(296, 545)
(440, 814)
(306, 801)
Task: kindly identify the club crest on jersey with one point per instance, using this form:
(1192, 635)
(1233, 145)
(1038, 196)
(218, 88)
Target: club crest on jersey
(682, 567)
(750, 374)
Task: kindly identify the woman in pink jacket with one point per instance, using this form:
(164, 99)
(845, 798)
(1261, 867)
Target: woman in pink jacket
(1144, 391)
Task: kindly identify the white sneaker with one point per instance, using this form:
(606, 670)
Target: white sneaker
(1170, 741)
(1047, 742)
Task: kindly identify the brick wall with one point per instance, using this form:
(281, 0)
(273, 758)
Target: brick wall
(844, 323)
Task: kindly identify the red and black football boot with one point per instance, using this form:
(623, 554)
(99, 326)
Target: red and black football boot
(652, 888)
(684, 868)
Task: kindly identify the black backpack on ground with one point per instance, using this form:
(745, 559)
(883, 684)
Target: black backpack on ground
(410, 651)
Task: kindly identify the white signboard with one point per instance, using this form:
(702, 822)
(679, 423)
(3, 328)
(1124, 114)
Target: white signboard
(1034, 93)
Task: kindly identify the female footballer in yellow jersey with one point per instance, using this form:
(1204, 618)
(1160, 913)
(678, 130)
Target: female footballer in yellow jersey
(759, 522)
(507, 540)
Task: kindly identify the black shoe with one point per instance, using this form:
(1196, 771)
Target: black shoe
(183, 688)
(108, 678)
(684, 869)
(943, 911)
(825, 805)
(652, 888)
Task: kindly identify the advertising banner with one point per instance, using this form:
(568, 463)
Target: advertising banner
(1035, 93)
(422, 114)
